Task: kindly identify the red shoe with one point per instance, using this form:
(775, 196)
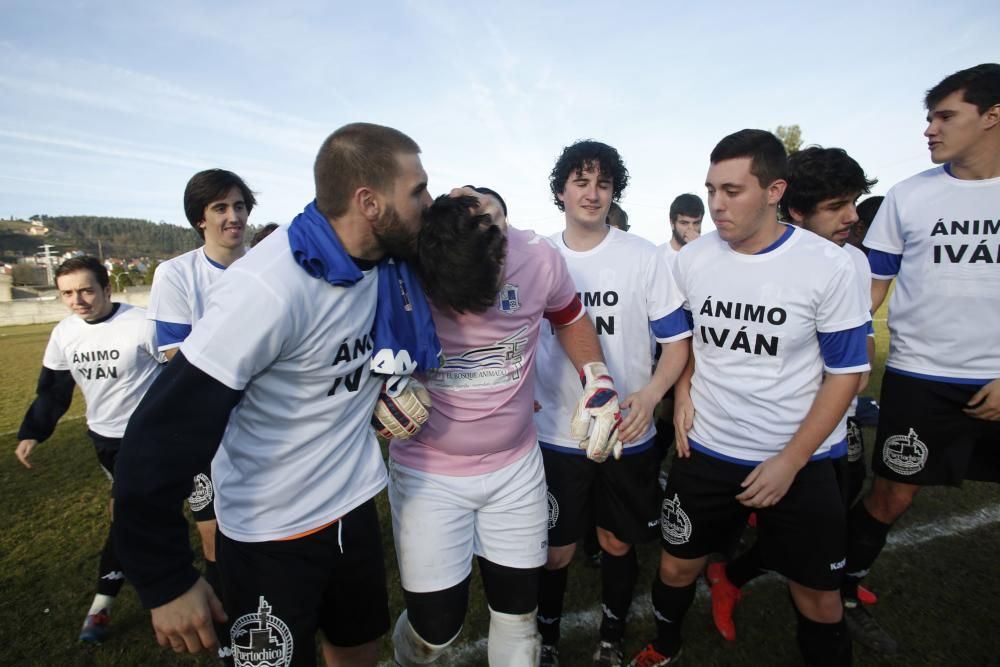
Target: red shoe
(724, 598)
(752, 520)
(865, 596)
(650, 657)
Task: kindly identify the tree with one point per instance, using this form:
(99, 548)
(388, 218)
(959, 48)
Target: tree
(791, 136)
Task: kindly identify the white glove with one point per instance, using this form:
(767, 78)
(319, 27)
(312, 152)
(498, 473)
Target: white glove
(597, 416)
(402, 408)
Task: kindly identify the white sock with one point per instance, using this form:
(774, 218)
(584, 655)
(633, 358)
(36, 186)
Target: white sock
(514, 640)
(101, 603)
(410, 649)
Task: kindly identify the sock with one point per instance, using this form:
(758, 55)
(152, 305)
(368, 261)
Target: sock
(669, 606)
(865, 539)
(410, 649)
(513, 639)
(823, 644)
(618, 574)
(101, 603)
(745, 567)
(109, 575)
(551, 590)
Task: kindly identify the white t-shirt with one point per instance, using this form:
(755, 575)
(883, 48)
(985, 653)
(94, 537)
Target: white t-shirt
(113, 362)
(299, 450)
(625, 286)
(668, 254)
(757, 320)
(944, 314)
(180, 290)
(860, 261)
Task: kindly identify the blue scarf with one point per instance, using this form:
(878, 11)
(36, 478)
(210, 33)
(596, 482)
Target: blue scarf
(318, 250)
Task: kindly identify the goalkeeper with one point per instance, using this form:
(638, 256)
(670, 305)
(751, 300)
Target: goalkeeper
(471, 481)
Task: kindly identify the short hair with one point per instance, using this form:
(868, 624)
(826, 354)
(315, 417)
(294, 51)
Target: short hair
(687, 204)
(980, 86)
(208, 186)
(617, 217)
(577, 157)
(84, 263)
(357, 155)
(460, 255)
(867, 210)
(768, 160)
(263, 233)
(816, 174)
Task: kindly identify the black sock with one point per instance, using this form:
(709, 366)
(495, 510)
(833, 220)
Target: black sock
(618, 574)
(823, 644)
(669, 606)
(865, 539)
(109, 576)
(551, 590)
(745, 567)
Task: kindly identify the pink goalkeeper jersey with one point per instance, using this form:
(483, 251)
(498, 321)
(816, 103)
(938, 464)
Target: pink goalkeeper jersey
(483, 394)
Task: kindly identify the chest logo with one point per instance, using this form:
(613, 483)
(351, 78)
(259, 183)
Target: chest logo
(509, 302)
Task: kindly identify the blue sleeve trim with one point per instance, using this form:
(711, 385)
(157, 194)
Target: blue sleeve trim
(884, 263)
(171, 333)
(845, 349)
(976, 382)
(689, 318)
(674, 324)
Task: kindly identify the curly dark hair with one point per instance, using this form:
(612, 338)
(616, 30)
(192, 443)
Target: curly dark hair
(981, 86)
(580, 156)
(816, 174)
(460, 255)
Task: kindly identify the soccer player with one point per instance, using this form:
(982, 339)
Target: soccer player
(627, 291)
(778, 350)
(617, 217)
(109, 350)
(937, 235)
(823, 186)
(866, 214)
(277, 371)
(471, 482)
(217, 204)
(686, 213)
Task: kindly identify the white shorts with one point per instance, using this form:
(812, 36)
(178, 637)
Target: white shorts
(440, 521)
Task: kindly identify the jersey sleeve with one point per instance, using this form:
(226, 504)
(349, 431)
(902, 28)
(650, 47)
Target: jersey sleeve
(54, 357)
(169, 300)
(170, 335)
(562, 306)
(53, 397)
(841, 305)
(886, 232)
(664, 301)
(845, 351)
(884, 265)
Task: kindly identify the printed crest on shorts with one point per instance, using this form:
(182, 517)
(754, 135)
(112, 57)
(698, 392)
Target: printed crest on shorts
(508, 299)
(674, 522)
(855, 446)
(905, 454)
(261, 639)
(202, 493)
(553, 509)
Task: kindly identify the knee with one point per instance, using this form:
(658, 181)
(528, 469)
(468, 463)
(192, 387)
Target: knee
(889, 500)
(677, 572)
(514, 639)
(612, 544)
(560, 557)
(817, 606)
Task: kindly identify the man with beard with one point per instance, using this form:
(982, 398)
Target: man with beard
(276, 377)
(686, 212)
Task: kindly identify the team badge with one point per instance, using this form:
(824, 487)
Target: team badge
(202, 493)
(905, 454)
(553, 509)
(261, 640)
(674, 522)
(508, 299)
(855, 441)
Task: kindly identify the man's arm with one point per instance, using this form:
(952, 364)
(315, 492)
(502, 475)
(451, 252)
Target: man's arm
(985, 403)
(641, 404)
(579, 341)
(684, 407)
(54, 394)
(880, 288)
(172, 435)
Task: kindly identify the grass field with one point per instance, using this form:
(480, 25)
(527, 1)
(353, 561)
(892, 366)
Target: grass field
(938, 578)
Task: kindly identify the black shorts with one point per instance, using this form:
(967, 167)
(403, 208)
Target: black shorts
(107, 452)
(623, 496)
(803, 537)
(202, 498)
(925, 438)
(278, 594)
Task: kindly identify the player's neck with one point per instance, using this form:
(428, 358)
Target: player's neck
(981, 164)
(675, 245)
(222, 255)
(355, 234)
(581, 238)
(769, 232)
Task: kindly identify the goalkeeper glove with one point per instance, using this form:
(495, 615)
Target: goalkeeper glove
(402, 408)
(597, 414)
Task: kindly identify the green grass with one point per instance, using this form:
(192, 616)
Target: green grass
(938, 598)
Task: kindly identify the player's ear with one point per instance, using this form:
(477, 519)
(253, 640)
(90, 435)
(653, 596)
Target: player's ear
(368, 203)
(992, 117)
(776, 190)
(796, 215)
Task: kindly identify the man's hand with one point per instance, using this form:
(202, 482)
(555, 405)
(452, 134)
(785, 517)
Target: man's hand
(488, 204)
(23, 451)
(185, 623)
(768, 482)
(403, 407)
(598, 414)
(984, 404)
(683, 421)
(640, 406)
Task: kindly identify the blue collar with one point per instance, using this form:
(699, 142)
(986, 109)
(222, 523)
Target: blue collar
(318, 251)
(781, 239)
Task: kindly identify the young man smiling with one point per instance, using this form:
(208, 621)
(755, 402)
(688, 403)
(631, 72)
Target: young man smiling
(779, 346)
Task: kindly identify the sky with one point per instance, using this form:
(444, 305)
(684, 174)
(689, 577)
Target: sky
(107, 108)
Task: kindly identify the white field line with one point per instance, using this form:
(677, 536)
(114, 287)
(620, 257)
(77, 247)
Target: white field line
(578, 622)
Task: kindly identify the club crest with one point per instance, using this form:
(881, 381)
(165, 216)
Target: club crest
(261, 639)
(553, 509)
(905, 454)
(509, 302)
(202, 494)
(674, 522)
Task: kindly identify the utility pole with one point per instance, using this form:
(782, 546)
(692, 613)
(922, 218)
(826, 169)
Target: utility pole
(47, 249)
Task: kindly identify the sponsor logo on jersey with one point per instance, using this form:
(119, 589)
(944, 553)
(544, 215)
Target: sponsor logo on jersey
(674, 522)
(494, 365)
(905, 454)
(553, 509)
(855, 441)
(261, 639)
(202, 493)
(509, 302)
